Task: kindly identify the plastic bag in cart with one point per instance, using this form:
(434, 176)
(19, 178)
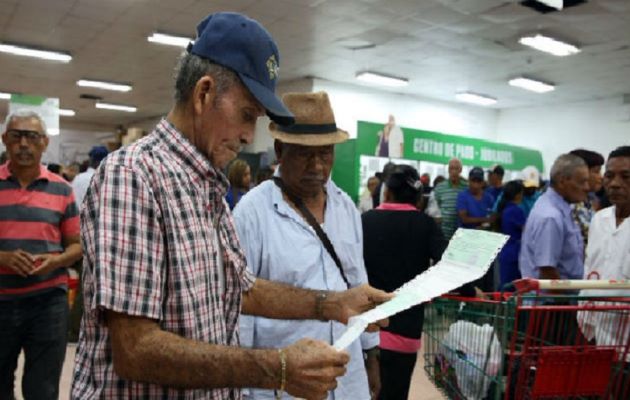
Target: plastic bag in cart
(474, 353)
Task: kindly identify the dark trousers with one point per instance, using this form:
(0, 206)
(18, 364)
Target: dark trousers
(38, 325)
(396, 370)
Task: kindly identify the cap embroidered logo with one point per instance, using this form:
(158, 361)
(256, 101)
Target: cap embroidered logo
(272, 67)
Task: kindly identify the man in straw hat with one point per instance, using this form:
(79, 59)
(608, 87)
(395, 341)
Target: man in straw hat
(164, 278)
(316, 240)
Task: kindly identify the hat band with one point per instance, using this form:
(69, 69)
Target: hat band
(308, 128)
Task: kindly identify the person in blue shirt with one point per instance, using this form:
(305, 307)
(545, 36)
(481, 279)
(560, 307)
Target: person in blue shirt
(474, 206)
(282, 225)
(495, 181)
(531, 183)
(240, 177)
(511, 220)
(552, 245)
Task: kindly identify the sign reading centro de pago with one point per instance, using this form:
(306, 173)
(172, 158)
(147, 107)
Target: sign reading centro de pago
(440, 148)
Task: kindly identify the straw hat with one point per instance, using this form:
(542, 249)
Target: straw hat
(314, 121)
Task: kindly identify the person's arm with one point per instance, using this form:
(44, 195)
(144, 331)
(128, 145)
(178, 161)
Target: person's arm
(372, 368)
(548, 236)
(433, 210)
(280, 301)
(19, 261)
(50, 262)
(145, 353)
(70, 237)
(463, 215)
(549, 273)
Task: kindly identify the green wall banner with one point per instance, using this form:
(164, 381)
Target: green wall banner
(440, 148)
(345, 172)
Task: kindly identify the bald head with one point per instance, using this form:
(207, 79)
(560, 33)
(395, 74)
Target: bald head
(454, 170)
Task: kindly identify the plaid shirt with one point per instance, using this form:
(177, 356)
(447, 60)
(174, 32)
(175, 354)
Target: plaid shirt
(146, 227)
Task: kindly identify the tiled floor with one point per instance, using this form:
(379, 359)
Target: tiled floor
(421, 388)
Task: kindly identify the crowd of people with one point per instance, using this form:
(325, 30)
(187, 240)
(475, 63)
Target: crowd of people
(547, 221)
(185, 299)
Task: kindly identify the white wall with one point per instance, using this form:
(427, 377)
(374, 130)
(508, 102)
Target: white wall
(73, 145)
(263, 142)
(600, 126)
(357, 103)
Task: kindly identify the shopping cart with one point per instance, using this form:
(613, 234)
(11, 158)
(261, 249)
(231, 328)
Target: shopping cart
(546, 340)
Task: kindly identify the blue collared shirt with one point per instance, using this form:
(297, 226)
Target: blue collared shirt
(551, 239)
(281, 246)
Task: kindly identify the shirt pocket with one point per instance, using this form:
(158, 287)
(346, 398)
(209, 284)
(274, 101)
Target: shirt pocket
(351, 256)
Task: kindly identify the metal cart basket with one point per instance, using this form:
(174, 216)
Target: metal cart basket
(546, 340)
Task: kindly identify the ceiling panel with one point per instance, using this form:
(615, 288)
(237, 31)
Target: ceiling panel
(441, 46)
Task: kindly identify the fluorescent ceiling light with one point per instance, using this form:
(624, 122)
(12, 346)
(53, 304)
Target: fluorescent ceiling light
(116, 107)
(30, 52)
(557, 4)
(532, 85)
(5, 96)
(64, 112)
(549, 45)
(118, 87)
(171, 40)
(380, 79)
(474, 98)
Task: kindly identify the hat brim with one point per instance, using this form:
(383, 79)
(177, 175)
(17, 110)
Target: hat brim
(308, 139)
(530, 184)
(276, 110)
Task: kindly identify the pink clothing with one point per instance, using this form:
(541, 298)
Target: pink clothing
(396, 207)
(401, 344)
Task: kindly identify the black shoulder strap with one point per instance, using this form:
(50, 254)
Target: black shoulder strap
(314, 224)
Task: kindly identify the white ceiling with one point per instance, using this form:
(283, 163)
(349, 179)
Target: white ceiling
(441, 46)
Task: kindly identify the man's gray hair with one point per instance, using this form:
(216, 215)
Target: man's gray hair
(565, 166)
(24, 113)
(190, 68)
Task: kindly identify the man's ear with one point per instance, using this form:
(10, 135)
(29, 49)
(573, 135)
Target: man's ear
(204, 93)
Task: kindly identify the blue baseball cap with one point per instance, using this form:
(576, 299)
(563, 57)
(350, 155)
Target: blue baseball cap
(98, 153)
(476, 174)
(243, 45)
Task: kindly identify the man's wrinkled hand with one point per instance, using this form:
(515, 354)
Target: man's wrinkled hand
(356, 301)
(44, 263)
(313, 368)
(20, 261)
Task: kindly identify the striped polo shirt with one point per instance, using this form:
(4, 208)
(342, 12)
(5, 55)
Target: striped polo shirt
(35, 219)
(446, 198)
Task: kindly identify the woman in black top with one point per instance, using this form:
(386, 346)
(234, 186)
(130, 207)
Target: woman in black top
(399, 243)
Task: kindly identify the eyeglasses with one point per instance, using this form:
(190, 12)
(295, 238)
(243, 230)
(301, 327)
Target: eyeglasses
(16, 135)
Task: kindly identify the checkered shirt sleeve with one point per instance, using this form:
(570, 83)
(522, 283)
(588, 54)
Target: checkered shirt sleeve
(128, 246)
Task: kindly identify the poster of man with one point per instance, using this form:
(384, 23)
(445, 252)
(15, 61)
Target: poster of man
(390, 140)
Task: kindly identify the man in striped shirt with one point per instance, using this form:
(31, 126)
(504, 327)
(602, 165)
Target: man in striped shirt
(39, 238)
(446, 197)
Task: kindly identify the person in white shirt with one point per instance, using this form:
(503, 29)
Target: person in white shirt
(82, 181)
(608, 252)
(365, 201)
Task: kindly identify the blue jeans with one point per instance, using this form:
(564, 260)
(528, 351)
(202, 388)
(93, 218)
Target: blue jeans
(38, 325)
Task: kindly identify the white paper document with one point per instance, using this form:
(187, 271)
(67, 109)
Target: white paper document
(468, 256)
